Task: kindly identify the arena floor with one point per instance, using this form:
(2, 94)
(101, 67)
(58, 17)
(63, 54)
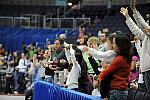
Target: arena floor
(10, 97)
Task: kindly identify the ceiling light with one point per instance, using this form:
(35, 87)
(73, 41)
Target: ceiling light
(69, 4)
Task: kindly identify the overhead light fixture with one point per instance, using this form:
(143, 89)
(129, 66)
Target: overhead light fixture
(69, 4)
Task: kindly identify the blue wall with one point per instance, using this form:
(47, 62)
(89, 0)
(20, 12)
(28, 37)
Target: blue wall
(12, 38)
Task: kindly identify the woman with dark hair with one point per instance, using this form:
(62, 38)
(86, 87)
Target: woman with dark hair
(77, 72)
(83, 40)
(119, 68)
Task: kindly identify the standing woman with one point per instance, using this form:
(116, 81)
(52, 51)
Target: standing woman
(119, 68)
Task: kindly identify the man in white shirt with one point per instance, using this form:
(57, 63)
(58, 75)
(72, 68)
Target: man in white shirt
(22, 68)
(143, 32)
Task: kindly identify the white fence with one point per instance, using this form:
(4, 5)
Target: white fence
(36, 20)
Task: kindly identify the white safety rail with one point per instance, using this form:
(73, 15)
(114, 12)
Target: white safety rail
(35, 19)
(51, 23)
(22, 22)
(40, 21)
(6, 21)
(82, 22)
(67, 22)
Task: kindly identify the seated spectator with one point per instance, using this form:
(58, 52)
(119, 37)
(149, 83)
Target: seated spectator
(96, 21)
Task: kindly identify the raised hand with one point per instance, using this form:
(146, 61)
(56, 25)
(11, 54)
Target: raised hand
(72, 52)
(85, 49)
(132, 5)
(146, 29)
(124, 11)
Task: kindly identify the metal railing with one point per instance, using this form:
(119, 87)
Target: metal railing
(6, 21)
(51, 23)
(22, 22)
(35, 21)
(83, 22)
(66, 22)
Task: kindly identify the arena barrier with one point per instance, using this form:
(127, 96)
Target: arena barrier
(48, 91)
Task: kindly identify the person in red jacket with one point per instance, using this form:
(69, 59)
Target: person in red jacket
(119, 68)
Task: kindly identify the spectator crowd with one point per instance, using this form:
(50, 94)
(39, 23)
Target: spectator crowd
(105, 66)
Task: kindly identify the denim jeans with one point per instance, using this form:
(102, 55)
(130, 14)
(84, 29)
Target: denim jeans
(31, 78)
(146, 77)
(118, 94)
(16, 76)
(21, 82)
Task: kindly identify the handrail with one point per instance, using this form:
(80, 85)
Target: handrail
(86, 20)
(6, 17)
(30, 14)
(34, 19)
(31, 21)
(73, 20)
(20, 19)
(45, 22)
